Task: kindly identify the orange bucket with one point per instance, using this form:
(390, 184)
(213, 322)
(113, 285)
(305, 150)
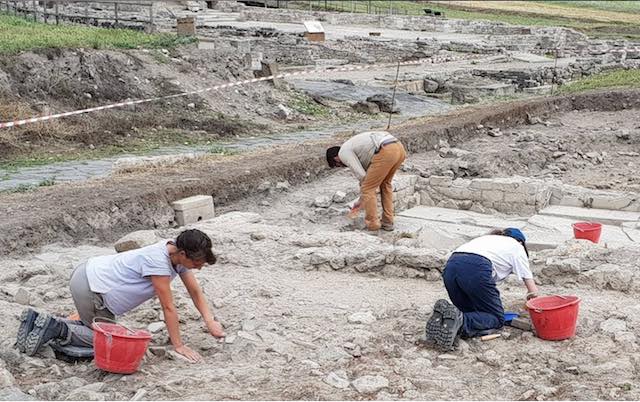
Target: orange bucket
(587, 230)
(554, 317)
(118, 349)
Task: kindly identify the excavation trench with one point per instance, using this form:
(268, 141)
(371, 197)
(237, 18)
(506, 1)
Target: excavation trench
(105, 209)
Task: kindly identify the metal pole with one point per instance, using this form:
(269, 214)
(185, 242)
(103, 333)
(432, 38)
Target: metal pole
(115, 11)
(35, 13)
(57, 13)
(44, 11)
(555, 71)
(151, 23)
(393, 98)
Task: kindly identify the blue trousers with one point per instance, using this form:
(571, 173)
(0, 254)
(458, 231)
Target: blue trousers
(471, 288)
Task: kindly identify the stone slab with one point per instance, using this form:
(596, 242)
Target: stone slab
(546, 229)
(604, 216)
(444, 228)
(456, 216)
(530, 58)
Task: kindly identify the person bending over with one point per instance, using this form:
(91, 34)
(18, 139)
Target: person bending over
(374, 157)
(111, 285)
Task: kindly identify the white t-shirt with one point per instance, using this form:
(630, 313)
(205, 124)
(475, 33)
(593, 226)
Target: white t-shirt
(505, 253)
(124, 279)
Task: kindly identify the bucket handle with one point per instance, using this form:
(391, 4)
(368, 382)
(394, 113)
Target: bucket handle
(538, 310)
(109, 320)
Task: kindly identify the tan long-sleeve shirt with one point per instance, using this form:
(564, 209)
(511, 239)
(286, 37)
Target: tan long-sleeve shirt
(357, 152)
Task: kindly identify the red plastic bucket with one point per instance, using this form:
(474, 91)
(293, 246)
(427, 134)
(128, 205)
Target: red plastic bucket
(587, 230)
(554, 317)
(118, 349)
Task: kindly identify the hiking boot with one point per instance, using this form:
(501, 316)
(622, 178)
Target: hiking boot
(452, 320)
(27, 319)
(444, 325)
(45, 329)
(387, 226)
(435, 321)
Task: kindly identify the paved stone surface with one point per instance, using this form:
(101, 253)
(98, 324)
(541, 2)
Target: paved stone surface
(444, 228)
(604, 216)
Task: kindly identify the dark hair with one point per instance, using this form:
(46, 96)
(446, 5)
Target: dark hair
(505, 232)
(332, 152)
(196, 245)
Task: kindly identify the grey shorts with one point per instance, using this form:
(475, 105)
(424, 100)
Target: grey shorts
(89, 304)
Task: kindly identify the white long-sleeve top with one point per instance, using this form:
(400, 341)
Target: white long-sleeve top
(505, 253)
(357, 152)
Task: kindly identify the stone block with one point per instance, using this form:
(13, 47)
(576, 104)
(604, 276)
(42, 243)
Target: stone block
(611, 201)
(517, 198)
(482, 184)
(404, 182)
(569, 201)
(193, 209)
(493, 196)
(440, 181)
(458, 193)
(543, 198)
(134, 240)
(242, 46)
(425, 199)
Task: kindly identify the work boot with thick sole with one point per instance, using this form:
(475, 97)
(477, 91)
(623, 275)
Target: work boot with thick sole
(27, 319)
(45, 329)
(388, 227)
(452, 320)
(435, 321)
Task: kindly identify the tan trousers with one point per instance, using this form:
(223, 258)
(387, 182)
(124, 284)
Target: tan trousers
(380, 175)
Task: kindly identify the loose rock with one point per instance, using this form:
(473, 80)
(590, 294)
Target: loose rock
(370, 384)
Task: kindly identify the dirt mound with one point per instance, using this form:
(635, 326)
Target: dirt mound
(53, 80)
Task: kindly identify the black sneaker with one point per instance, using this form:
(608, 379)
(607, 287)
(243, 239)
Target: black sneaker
(452, 320)
(27, 319)
(45, 329)
(435, 321)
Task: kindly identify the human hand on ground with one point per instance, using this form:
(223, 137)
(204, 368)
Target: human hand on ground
(215, 329)
(188, 353)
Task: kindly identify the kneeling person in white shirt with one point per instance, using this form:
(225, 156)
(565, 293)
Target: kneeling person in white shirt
(470, 277)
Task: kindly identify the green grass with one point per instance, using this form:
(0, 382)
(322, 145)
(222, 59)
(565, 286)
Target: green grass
(607, 5)
(308, 107)
(19, 34)
(23, 188)
(594, 29)
(610, 79)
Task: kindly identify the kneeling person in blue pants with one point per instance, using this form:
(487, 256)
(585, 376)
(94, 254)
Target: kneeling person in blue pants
(470, 277)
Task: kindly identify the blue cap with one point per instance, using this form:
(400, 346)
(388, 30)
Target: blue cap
(516, 234)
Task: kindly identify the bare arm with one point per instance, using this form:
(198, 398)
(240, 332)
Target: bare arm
(195, 291)
(162, 286)
(532, 289)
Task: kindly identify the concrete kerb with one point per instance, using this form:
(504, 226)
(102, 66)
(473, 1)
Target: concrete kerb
(106, 215)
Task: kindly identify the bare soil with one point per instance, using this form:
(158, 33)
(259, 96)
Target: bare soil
(302, 330)
(53, 81)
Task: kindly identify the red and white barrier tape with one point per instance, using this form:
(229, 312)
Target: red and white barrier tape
(551, 51)
(17, 123)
